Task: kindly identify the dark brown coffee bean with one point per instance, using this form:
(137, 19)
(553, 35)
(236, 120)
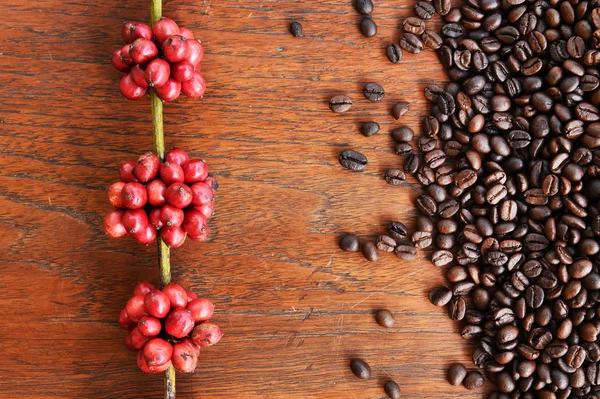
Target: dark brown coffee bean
(413, 25)
(369, 128)
(296, 29)
(368, 28)
(440, 296)
(360, 368)
(364, 7)
(400, 109)
(411, 43)
(353, 160)
(457, 308)
(384, 318)
(424, 10)
(392, 390)
(432, 40)
(456, 374)
(473, 380)
(403, 134)
(394, 53)
(373, 92)
(369, 251)
(405, 252)
(442, 258)
(395, 177)
(349, 243)
(340, 103)
(398, 231)
(412, 163)
(385, 243)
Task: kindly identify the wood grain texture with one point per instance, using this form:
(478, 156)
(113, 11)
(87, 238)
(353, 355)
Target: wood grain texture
(294, 308)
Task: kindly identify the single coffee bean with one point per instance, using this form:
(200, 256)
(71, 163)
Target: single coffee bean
(373, 92)
(385, 243)
(369, 251)
(413, 25)
(395, 177)
(457, 308)
(392, 390)
(412, 163)
(400, 109)
(411, 43)
(431, 39)
(405, 252)
(368, 28)
(473, 380)
(296, 29)
(398, 231)
(456, 374)
(394, 53)
(364, 7)
(384, 318)
(349, 243)
(369, 128)
(353, 160)
(440, 296)
(442, 6)
(340, 103)
(442, 258)
(403, 134)
(360, 368)
(403, 148)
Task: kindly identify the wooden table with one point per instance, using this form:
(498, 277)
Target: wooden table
(294, 308)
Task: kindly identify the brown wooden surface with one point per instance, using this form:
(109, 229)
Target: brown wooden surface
(293, 306)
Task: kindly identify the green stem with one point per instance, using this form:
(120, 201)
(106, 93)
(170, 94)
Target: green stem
(158, 136)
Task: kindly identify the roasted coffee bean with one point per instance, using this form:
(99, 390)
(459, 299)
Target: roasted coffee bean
(368, 28)
(433, 41)
(400, 109)
(405, 251)
(369, 128)
(364, 7)
(422, 239)
(403, 148)
(384, 318)
(424, 10)
(394, 53)
(369, 251)
(392, 390)
(456, 374)
(340, 103)
(353, 160)
(413, 25)
(473, 380)
(403, 134)
(398, 231)
(296, 29)
(349, 243)
(442, 258)
(412, 163)
(411, 43)
(457, 308)
(360, 368)
(445, 101)
(385, 243)
(440, 296)
(395, 177)
(373, 92)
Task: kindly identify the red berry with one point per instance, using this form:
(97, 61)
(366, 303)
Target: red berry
(135, 220)
(134, 195)
(202, 309)
(141, 362)
(160, 369)
(195, 170)
(171, 173)
(206, 334)
(175, 48)
(195, 87)
(154, 218)
(143, 50)
(135, 30)
(157, 72)
(174, 237)
(135, 308)
(137, 74)
(157, 352)
(147, 167)
(157, 304)
(185, 356)
(146, 236)
(114, 194)
(178, 156)
(129, 89)
(171, 216)
(156, 191)
(135, 341)
(126, 172)
(183, 71)
(201, 193)
(185, 32)
(179, 195)
(170, 91)
(195, 51)
(164, 28)
(191, 295)
(176, 294)
(207, 209)
(119, 63)
(212, 182)
(179, 323)
(143, 288)
(113, 224)
(124, 321)
(126, 54)
(149, 326)
(195, 225)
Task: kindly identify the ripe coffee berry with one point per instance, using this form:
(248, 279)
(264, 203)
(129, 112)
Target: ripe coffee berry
(165, 58)
(174, 198)
(168, 327)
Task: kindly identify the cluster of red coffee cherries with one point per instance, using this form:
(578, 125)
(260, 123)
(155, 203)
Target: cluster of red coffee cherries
(168, 327)
(175, 197)
(165, 58)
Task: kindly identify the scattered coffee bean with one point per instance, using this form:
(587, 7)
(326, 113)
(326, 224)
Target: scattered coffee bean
(353, 160)
(440, 296)
(373, 92)
(384, 318)
(364, 7)
(349, 243)
(340, 103)
(395, 177)
(369, 128)
(296, 29)
(400, 109)
(403, 134)
(398, 231)
(411, 43)
(385, 243)
(424, 10)
(392, 390)
(473, 380)
(360, 368)
(369, 251)
(394, 53)
(413, 25)
(456, 374)
(406, 252)
(367, 27)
